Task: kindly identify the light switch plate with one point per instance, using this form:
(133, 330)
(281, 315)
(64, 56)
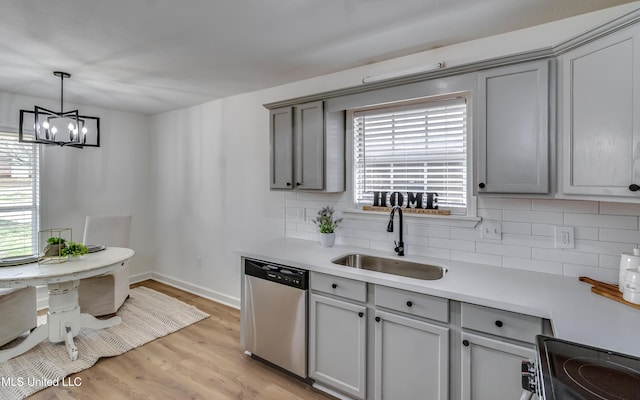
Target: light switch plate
(491, 230)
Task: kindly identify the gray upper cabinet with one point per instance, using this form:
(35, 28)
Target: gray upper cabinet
(307, 148)
(601, 118)
(512, 129)
(281, 142)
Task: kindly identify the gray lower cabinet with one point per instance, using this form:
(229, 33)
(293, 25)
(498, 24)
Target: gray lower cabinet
(513, 129)
(411, 359)
(337, 344)
(491, 368)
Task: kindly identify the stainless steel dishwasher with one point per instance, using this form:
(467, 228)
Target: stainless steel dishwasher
(275, 314)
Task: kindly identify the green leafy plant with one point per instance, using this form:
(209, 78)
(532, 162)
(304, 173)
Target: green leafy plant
(325, 221)
(56, 240)
(74, 249)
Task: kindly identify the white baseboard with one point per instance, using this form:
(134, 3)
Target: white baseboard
(196, 289)
(42, 295)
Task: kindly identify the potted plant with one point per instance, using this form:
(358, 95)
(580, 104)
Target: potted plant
(54, 247)
(327, 226)
(74, 250)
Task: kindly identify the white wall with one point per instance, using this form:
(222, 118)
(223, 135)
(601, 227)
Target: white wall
(210, 179)
(111, 179)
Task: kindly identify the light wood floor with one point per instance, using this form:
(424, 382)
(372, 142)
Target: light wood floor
(201, 361)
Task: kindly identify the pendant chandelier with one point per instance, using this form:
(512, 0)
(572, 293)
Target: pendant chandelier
(64, 128)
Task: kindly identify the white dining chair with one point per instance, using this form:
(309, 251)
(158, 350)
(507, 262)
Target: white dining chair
(105, 294)
(19, 312)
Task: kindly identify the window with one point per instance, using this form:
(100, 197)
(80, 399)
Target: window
(413, 148)
(19, 196)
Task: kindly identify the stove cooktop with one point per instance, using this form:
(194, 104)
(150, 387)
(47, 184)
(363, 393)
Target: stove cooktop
(575, 371)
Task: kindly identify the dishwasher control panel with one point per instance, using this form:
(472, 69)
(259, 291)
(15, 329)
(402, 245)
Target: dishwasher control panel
(282, 274)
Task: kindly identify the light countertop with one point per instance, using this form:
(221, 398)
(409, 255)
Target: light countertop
(576, 314)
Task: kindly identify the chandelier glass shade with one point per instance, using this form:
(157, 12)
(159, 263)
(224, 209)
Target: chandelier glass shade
(64, 128)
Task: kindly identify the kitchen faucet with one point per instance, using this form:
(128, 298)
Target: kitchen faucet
(400, 244)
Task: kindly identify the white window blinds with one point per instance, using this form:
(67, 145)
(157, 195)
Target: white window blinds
(19, 196)
(415, 148)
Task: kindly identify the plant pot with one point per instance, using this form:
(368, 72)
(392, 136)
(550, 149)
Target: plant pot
(327, 239)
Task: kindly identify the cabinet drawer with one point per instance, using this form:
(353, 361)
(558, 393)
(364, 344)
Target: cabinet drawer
(502, 323)
(418, 304)
(343, 287)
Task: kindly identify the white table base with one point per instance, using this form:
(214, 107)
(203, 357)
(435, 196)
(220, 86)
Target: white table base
(64, 321)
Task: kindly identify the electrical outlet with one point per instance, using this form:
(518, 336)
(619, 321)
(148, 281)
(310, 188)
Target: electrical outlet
(492, 230)
(564, 237)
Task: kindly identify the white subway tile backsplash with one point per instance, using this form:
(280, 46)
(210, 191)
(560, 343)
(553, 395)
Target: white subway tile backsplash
(542, 229)
(601, 221)
(433, 231)
(491, 214)
(532, 265)
(582, 232)
(602, 232)
(574, 206)
(464, 245)
(487, 259)
(429, 251)
(619, 235)
(601, 274)
(540, 217)
(620, 208)
(503, 250)
(520, 228)
(610, 262)
(465, 234)
(594, 246)
(504, 204)
(565, 256)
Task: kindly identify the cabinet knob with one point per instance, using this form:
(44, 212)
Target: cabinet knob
(481, 185)
(499, 324)
(634, 188)
(465, 343)
(409, 303)
(360, 314)
(377, 319)
(334, 285)
(298, 183)
(288, 183)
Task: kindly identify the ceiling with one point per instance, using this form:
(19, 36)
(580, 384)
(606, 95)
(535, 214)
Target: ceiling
(151, 56)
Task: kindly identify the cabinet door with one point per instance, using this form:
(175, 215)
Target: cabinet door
(600, 116)
(513, 129)
(309, 123)
(491, 368)
(411, 359)
(281, 143)
(337, 344)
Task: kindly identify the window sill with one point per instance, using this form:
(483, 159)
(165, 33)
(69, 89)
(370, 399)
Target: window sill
(459, 221)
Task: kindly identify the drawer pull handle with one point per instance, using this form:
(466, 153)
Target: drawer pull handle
(465, 343)
(360, 314)
(334, 285)
(409, 303)
(499, 324)
(377, 319)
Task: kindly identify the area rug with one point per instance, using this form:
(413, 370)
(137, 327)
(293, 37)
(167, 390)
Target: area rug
(146, 315)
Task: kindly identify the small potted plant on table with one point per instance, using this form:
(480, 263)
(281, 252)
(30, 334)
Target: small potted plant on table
(327, 226)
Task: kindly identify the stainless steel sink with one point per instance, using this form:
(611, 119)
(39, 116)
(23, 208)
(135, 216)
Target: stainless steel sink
(392, 266)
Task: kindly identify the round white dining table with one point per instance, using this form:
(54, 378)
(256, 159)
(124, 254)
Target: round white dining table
(64, 319)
